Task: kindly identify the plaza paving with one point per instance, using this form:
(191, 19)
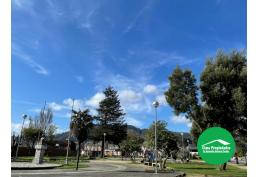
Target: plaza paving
(27, 165)
(96, 169)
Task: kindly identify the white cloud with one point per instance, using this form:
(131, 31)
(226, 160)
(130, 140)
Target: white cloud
(61, 109)
(63, 114)
(18, 3)
(23, 102)
(80, 79)
(93, 112)
(94, 101)
(136, 18)
(60, 130)
(87, 24)
(56, 107)
(132, 101)
(150, 89)
(68, 102)
(34, 65)
(29, 61)
(36, 110)
(180, 119)
(130, 91)
(25, 5)
(152, 59)
(129, 96)
(162, 100)
(75, 103)
(134, 122)
(16, 127)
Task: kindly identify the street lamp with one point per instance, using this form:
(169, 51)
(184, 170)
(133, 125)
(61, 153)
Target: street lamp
(24, 116)
(188, 148)
(156, 105)
(183, 149)
(104, 144)
(182, 134)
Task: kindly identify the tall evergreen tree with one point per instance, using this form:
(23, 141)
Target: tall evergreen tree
(110, 119)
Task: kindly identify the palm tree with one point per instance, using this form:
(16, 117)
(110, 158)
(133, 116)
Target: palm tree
(80, 124)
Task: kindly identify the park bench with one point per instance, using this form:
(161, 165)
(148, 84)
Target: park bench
(147, 163)
(158, 164)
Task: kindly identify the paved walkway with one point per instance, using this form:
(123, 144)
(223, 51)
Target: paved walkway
(96, 169)
(29, 165)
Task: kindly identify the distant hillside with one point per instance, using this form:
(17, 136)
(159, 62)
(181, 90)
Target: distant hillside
(133, 129)
(61, 136)
(130, 129)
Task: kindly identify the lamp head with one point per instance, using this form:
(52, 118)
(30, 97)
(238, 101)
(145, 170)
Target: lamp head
(155, 104)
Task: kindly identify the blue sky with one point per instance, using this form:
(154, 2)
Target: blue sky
(74, 49)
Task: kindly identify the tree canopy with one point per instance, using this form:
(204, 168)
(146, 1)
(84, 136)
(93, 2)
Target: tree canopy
(132, 143)
(80, 124)
(110, 119)
(219, 100)
(166, 140)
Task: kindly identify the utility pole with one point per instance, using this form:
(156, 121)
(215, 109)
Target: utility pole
(24, 116)
(69, 136)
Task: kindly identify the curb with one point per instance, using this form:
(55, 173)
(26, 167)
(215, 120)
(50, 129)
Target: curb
(35, 167)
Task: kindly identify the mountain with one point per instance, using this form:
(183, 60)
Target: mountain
(130, 129)
(135, 130)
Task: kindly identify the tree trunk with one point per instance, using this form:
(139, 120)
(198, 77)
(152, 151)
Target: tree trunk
(164, 161)
(237, 162)
(78, 155)
(102, 149)
(223, 167)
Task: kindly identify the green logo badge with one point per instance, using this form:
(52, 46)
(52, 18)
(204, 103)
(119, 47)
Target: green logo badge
(216, 145)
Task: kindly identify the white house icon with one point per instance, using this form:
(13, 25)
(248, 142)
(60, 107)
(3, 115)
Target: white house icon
(219, 141)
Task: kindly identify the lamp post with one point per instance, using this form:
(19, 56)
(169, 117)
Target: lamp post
(104, 144)
(156, 105)
(183, 149)
(182, 134)
(188, 148)
(24, 116)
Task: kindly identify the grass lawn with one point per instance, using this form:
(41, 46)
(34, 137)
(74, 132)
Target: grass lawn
(72, 165)
(206, 169)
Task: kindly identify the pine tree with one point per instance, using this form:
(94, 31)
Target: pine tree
(110, 119)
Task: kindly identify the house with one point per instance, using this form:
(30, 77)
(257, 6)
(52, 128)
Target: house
(93, 149)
